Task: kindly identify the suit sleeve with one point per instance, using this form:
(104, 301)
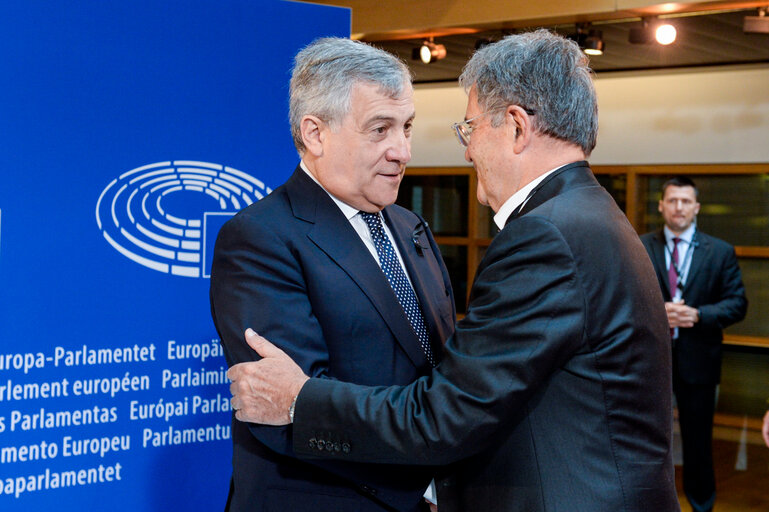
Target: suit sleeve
(730, 304)
(256, 282)
(525, 320)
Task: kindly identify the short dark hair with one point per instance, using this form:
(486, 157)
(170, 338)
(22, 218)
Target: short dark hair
(680, 181)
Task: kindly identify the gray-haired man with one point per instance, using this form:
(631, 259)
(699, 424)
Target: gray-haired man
(303, 266)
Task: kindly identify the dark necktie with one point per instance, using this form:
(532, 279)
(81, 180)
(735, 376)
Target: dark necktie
(673, 269)
(673, 275)
(398, 281)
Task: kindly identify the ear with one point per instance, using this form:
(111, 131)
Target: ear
(312, 130)
(696, 208)
(521, 124)
(659, 206)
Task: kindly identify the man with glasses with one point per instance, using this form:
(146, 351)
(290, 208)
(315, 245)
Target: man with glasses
(350, 285)
(554, 393)
(703, 292)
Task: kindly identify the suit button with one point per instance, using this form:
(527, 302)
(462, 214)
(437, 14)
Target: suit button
(337, 447)
(321, 444)
(346, 447)
(368, 490)
(313, 442)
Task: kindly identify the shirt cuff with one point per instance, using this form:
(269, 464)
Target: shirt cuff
(430, 494)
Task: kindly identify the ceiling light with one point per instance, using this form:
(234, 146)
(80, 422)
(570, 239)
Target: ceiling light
(757, 24)
(649, 32)
(589, 40)
(665, 34)
(429, 52)
(593, 43)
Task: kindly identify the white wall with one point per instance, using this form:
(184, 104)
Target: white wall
(716, 115)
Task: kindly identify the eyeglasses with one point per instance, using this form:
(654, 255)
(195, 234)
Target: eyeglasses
(464, 129)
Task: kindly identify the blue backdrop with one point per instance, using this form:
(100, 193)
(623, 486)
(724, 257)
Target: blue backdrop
(129, 131)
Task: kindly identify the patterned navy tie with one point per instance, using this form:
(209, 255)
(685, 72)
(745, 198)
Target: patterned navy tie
(398, 281)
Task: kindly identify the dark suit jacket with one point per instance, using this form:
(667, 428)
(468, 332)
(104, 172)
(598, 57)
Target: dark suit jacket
(292, 267)
(714, 286)
(554, 393)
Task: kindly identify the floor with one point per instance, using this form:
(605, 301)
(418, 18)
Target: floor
(741, 463)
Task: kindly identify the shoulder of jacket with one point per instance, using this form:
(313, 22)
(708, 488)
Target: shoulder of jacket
(269, 212)
(715, 241)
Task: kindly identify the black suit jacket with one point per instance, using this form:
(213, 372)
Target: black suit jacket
(554, 392)
(714, 286)
(292, 267)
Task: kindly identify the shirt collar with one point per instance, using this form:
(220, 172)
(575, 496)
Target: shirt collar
(686, 236)
(518, 199)
(348, 211)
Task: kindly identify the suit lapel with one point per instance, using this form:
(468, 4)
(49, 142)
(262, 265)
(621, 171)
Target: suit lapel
(555, 184)
(699, 255)
(332, 233)
(658, 260)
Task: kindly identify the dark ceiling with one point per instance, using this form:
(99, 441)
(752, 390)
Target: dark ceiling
(703, 40)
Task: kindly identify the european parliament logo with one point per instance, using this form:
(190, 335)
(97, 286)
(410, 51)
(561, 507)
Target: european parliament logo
(165, 216)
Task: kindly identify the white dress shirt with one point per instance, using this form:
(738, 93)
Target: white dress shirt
(519, 198)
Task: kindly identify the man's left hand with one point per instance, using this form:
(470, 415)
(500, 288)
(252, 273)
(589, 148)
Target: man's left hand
(681, 315)
(262, 391)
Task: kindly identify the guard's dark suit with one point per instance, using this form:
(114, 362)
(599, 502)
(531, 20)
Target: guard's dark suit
(714, 287)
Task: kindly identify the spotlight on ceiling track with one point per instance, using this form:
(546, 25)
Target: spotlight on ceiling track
(648, 33)
(588, 39)
(642, 34)
(429, 52)
(757, 24)
(665, 34)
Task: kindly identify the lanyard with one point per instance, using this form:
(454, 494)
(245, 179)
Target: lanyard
(687, 258)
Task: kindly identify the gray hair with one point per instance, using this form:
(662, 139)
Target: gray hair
(324, 75)
(543, 73)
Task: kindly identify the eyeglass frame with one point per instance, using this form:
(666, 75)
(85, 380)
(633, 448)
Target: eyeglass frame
(464, 129)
